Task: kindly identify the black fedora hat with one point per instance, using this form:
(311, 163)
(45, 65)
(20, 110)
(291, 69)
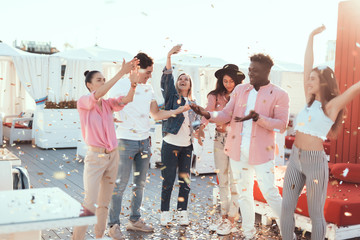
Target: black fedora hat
(232, 70)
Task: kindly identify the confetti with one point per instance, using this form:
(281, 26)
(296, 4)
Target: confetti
(345, 172)
(358, 45)
(316, 181)
(136, 173)
(181, 199)
(59, 175)
(347, 214)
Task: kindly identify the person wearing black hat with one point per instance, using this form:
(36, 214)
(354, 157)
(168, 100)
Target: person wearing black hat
(227, 78)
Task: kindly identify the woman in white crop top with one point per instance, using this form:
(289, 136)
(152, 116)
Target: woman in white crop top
(308, 163)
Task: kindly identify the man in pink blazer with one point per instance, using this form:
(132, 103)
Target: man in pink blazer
(256, 111)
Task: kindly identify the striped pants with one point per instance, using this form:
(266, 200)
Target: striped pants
(310, 168)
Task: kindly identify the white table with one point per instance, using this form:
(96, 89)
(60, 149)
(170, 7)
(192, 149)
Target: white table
(6, 155)
(7, 160)
(26, 212)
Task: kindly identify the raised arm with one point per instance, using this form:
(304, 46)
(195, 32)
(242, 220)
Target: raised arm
(167, 78)
(309, 57)
(176, 49)
(125, 69)
(339, 102)
(134, 79)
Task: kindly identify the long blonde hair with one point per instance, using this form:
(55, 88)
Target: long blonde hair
(329, 89)
(189, 95)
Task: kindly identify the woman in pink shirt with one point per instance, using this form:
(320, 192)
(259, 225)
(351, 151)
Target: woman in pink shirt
(227, 78)
(101, 160)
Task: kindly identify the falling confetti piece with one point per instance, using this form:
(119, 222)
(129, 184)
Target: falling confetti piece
(144, 13)
(212, 5)
(347, 214)
(299, 209)
(40, 173)
(358, 45)
(316, 181)
(345, 172)
(181, 199)
(163, 168)
(59, 175)
(144, 156)
(136, 173)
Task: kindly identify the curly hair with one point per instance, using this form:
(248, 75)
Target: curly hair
(145, 60)
(263, 59)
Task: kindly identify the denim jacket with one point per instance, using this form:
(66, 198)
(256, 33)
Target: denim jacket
(171, 96)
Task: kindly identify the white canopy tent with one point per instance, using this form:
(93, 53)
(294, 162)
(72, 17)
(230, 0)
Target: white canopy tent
(77, 61)
(13, 98)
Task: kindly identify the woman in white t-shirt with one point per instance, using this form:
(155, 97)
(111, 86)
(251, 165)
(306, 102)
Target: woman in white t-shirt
(177, 141)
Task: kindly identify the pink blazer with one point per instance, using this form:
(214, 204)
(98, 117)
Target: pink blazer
(272, 105)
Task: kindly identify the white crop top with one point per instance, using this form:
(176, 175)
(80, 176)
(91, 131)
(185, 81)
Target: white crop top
(313, 121)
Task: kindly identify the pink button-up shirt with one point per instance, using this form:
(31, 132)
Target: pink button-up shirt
(216, 103)
(272, 105)
(97, 125)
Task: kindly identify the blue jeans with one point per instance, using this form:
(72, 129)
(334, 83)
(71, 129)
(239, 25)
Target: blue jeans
(174, 157)
(133, 154)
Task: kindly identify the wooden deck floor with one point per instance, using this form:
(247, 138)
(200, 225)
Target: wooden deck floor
(42, 164)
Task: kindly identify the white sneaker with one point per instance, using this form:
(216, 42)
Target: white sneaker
(183, 218)
(214, 226)
(224, 228)
(234, 229)
(165, 218)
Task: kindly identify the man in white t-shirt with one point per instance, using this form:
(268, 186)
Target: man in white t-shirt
(133, 132)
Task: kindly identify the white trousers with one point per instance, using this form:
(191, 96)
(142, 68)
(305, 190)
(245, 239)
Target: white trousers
(243, 174)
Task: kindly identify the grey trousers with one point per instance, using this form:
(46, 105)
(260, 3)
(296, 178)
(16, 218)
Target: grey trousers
(310, 168)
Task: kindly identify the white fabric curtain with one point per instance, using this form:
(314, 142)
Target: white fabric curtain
(55, 82)
(73, 85)
(12, 93)
(33, 72)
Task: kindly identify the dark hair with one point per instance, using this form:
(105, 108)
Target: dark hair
(329, 89)
(88, 76)
(220, 88)
(145, 60)
(263, 59)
